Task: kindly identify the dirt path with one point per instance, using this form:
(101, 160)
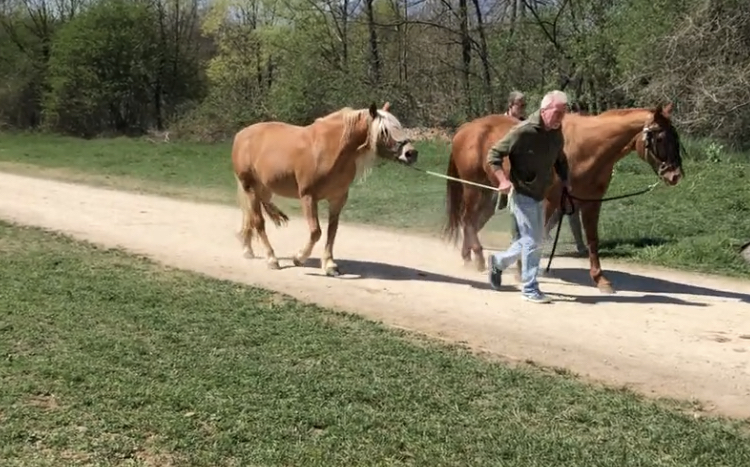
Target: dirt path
(679, 335)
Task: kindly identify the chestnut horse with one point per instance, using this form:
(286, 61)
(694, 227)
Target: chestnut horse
(637, 144)
(311, 163)
(593, 144)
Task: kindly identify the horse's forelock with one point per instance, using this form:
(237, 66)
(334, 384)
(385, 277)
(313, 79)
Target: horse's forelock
(387, 125)
(384, 125)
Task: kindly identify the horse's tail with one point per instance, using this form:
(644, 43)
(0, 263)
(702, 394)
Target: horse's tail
(454, 202)
(277, 215)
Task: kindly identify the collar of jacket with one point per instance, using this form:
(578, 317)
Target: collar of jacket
(536, 119)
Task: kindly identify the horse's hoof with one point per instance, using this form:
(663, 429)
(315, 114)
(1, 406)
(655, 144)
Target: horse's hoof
(332, 271)
(273, 264)
(247, 253)
(606, 289)
(297, 262)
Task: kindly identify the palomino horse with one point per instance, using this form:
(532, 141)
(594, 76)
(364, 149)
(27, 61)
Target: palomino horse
(311, 163)
(593, 144)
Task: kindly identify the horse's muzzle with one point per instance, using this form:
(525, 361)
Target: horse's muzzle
(672, 177)
(409, 156)
(670, 173)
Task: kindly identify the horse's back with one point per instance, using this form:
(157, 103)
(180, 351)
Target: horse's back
(473, 140)
(272, 147)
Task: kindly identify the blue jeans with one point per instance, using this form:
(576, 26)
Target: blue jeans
(529, 217)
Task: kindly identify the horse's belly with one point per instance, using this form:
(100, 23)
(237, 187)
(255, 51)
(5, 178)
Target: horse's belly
(286, 187)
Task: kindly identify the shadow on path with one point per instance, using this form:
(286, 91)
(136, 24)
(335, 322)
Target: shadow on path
(357, 269)
(625, 281)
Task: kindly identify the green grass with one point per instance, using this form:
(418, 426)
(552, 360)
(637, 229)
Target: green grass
(697, 225)
(113, 360)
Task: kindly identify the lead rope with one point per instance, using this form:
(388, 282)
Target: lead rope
(566, 196)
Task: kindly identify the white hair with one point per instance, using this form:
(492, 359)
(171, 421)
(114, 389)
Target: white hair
(553, 97)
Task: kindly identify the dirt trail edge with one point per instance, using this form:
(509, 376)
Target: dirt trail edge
(664, 333)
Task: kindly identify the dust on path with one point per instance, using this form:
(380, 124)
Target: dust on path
(664, 333)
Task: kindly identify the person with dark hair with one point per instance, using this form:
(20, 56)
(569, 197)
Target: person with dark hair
(516, 105)
(516, 109)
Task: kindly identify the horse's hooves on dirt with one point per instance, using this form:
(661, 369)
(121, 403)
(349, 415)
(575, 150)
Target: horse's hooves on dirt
(297, 262)
(333, 271)
(273, 265)
(248, 254)
(606, 289)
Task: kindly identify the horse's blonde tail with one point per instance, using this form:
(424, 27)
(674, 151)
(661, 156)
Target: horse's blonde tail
(277, 215)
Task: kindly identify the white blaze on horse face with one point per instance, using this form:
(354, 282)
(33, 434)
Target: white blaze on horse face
(408, 153)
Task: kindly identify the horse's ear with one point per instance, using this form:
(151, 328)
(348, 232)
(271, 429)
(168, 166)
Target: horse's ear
(387, 106)
(663, 110)
(667, 110)
(373, 110)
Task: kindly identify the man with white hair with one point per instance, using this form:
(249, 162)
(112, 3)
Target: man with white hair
(534, 147)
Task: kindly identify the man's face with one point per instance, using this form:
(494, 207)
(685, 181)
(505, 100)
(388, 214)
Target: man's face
(553, 114)
(518, 109)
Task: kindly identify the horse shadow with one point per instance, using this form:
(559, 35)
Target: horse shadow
(359, 269)
(651, 287)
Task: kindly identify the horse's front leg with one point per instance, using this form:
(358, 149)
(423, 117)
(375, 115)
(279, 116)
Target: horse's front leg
(335, 206)
(310, 211)
(590, 217)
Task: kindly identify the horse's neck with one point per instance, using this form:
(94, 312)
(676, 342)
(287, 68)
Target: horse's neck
(616, 132)
(356, 150)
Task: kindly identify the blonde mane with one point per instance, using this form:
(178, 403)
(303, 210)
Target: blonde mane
(366, 153)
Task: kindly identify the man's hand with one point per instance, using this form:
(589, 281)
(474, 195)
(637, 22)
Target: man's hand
(504, 187)
(504, 184)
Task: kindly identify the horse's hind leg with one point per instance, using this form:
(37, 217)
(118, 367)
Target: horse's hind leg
(258, 223)
(310, 211)
(472, 207)
(245, 235)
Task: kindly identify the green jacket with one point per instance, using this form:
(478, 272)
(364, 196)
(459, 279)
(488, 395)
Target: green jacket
(533, 152)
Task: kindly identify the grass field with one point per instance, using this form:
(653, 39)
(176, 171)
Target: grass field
(112, 360)
(697, 225)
